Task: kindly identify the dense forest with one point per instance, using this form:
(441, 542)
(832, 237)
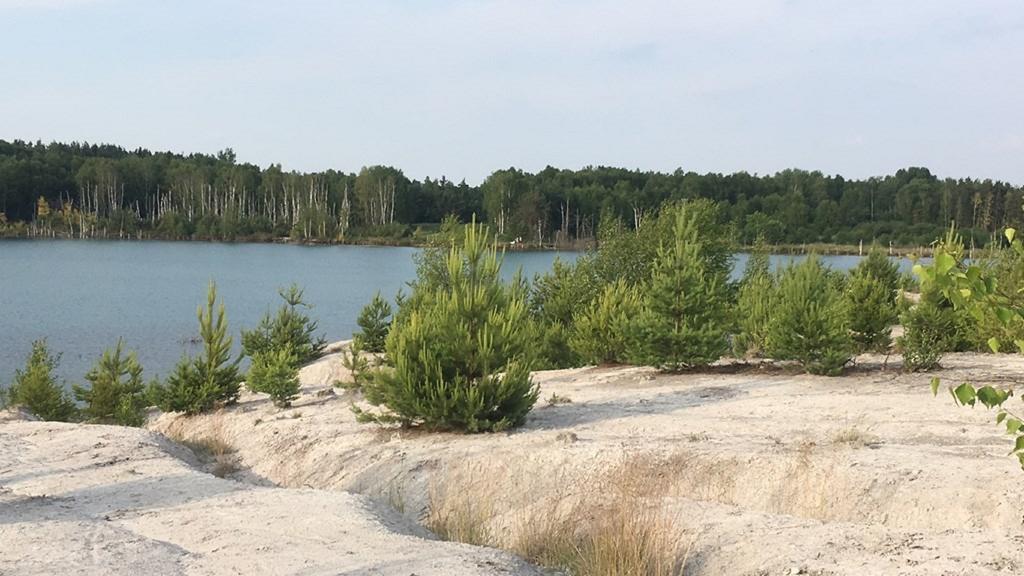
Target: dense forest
(85, 190)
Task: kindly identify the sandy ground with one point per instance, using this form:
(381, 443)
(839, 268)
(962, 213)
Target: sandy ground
(760, 472)
(101, 500)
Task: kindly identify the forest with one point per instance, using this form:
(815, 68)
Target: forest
(81, 190)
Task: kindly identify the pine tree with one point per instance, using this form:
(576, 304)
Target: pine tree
(198, 384)
(754, 304)
(808, 320)
(37, 389)
(274, 373)
(601, 332)
(116, 394)
(685, 318)
(870, 296)
(290, 328)
(375, 321)
(461, 351)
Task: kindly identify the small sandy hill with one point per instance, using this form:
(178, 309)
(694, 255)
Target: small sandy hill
(99, 500)
(756, 471)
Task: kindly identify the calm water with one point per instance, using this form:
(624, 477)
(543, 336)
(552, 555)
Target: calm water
(83, 295)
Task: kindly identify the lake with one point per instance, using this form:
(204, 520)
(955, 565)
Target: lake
(83, 295)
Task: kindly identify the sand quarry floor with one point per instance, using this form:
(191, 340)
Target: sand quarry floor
(754, 471)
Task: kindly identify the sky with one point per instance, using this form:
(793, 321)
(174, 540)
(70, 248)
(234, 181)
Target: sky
(461, 88)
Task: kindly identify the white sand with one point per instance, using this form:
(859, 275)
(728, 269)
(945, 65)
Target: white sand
(761, 472)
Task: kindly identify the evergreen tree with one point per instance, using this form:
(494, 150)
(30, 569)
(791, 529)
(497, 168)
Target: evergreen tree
(808, 320)
(198, 384)
(116, 394)
(290, 328)
(460, 353)
(274, 373)
(685, 318)
(871, 309)
(754, 305)
(37, 389)
(601, 332)
(375, 321)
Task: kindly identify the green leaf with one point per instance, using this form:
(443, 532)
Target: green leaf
(1005, 315)
(1013, 425)
(965, 394)
(1000, 417)
(991, 397)
(944, 262)
(1010, 233)
(1018, 445)
(935, 386)
(993, 343)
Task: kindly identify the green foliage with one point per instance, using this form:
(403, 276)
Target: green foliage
(460, 353)
(375, 321)
(974, 289)
(274, 372)
(602, 331)
(36, 388)
(116, 393)
(290, 329)
(685, 316)
(754, 305)
(199, 384)
(808, 320)
(871, 313)
(556, 298)
(354, 359)
(929, 331)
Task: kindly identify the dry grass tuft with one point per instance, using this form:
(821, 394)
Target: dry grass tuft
(855, 438)
(616, 528)
(211, 449)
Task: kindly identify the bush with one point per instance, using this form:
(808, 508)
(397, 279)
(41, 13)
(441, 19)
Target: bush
(870, 295)
(274, 372)
(871, 310)
(556, 298)
(198, 384)
(602, 331)
(929, 331)
(685, 317)
(354, 360)
(289, 329)
(754, 305)
(375, 321)
(36, 388)
(460, 352)
(116, 393)
(808, 320)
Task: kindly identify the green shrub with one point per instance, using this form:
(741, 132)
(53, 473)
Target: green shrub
(199, 384)
(602, 332)
(460, 352)
(37, 390)
(290, 328)
(354, 360)
(808, 320)
(929, 331)
(275, 373)
(116, 393)
(754, 305)
(685, 315)
(556, 298)
(870, 294)
(375, 321)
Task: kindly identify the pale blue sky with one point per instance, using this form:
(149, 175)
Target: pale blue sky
(460, 88)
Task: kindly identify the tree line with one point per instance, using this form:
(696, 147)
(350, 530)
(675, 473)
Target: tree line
(82, 190)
